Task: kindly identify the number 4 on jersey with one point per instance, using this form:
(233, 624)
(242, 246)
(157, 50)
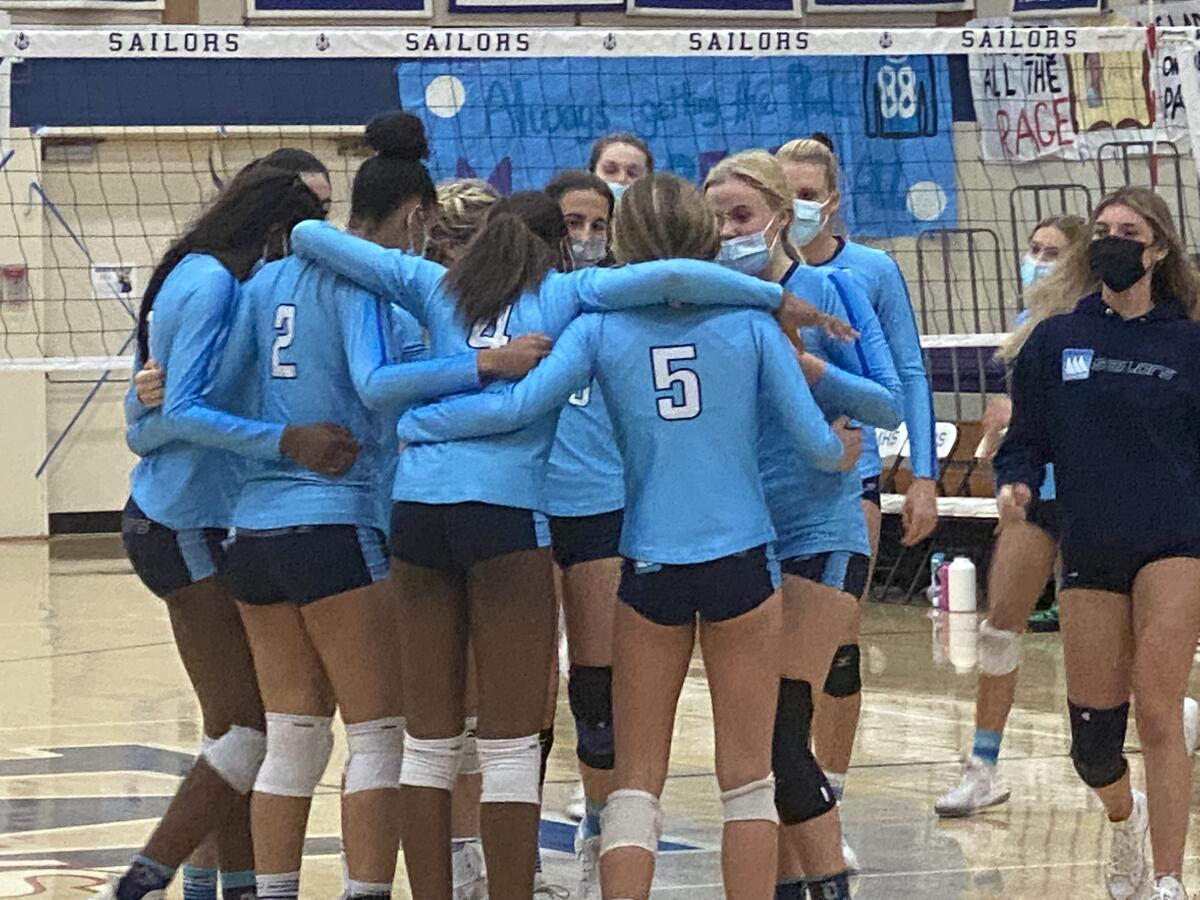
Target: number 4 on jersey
(683, 384)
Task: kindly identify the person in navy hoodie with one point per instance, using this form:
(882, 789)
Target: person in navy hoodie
(1110, 394)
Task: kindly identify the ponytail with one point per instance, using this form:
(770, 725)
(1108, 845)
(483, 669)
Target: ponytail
(511, 254)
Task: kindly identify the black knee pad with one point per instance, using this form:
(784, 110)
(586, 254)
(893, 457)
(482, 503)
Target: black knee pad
(1097, 741)
(801, 789)
(546, 744)
(590, 691)
(845, 675)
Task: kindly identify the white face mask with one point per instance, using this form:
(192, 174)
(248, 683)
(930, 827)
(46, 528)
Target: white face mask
(806, 222)
(589, 252)
(749, 254)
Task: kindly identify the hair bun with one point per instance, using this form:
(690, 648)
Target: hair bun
(399, 135)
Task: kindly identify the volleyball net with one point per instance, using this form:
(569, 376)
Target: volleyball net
(954, 143)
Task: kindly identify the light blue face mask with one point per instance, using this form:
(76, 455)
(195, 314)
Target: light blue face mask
(806, 222)
(748, 254)
(1033, 271)
(617, 189)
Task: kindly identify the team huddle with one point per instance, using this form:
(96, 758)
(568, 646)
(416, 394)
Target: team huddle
(376, 463)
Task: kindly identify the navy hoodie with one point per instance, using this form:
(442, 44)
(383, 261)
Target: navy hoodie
(1114, 404)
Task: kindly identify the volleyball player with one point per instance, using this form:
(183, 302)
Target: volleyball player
(585, 499)
(179, 510)
(1022, 563)
(619, 159)
(685, 388)
(812, 172)
(1108, 393)
(466, 553)
(821, 531)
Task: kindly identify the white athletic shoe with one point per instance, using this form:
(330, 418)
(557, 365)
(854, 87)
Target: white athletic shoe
(1168, 887)
(470, 872)
(850, 856)
(979, 788)
(544, 890)
(587, 851)
(1191, 724)
(1127, 872)
(577, 806)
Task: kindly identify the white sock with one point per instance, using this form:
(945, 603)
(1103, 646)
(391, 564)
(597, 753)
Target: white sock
(837, 781)
(285, 886)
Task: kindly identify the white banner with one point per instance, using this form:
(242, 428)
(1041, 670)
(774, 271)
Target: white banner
(415, 43)
(1171, 66)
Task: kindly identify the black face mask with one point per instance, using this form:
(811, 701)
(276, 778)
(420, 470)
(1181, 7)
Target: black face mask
(1117, 261)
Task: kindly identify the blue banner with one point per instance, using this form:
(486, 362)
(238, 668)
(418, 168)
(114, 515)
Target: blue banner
(1054, 7)
(515, 122)
(335, 8)
(888, 5)
(715, 7)
(512, 7)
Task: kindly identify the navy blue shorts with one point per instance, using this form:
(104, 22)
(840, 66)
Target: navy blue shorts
(1115, 572)
(870, 491)
(580, 539)
(846, 572)
(1044, 514)
(453, 537)
(304, 563)
(716, 591)
(168, 561)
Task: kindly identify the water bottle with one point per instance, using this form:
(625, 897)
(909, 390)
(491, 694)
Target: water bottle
(935, 563)
(961, 584)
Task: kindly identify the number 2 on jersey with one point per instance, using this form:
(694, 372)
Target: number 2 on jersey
(683, 401)
(285, 333)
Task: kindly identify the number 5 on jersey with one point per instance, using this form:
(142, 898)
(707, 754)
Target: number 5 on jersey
(681, 383)
(285, 333)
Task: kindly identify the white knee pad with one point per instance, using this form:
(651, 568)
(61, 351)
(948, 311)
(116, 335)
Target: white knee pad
(630, 819)
(431, 763)
(511, 768)
(236, 756)
(469, 764)
(374, 755)
(298, 749)
(751, 802)
(999, 651)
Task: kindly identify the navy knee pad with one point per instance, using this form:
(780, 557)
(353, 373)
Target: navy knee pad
(590, 691)
(801, 789)
(1097, 741)
(845, 675)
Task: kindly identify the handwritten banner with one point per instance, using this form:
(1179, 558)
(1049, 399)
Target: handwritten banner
(516, 122)
(341, 9)
(1174, 65)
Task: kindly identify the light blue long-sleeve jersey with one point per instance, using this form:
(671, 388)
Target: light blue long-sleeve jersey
(585, 475)
(879, 278)
(509, 469)
(308, 346)
(187, 476)
(816, 511)
(687, 390)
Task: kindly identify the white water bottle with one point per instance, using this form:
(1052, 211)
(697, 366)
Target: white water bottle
(961, 585)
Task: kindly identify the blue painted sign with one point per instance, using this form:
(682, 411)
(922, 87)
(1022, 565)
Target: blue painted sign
(516, 122)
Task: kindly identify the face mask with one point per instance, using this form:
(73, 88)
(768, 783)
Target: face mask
(1117, 262)
(617, 190)
(589, 252)
(806, 222)
(1033, 271)
(748, 254)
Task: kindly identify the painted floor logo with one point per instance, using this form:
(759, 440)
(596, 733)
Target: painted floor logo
(65, 872)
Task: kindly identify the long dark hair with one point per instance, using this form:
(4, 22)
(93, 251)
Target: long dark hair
(395, 174)
(520, 242)
(288, 159)
(257, 208)
(579, 180)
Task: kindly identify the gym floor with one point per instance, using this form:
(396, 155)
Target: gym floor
(97, 721)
